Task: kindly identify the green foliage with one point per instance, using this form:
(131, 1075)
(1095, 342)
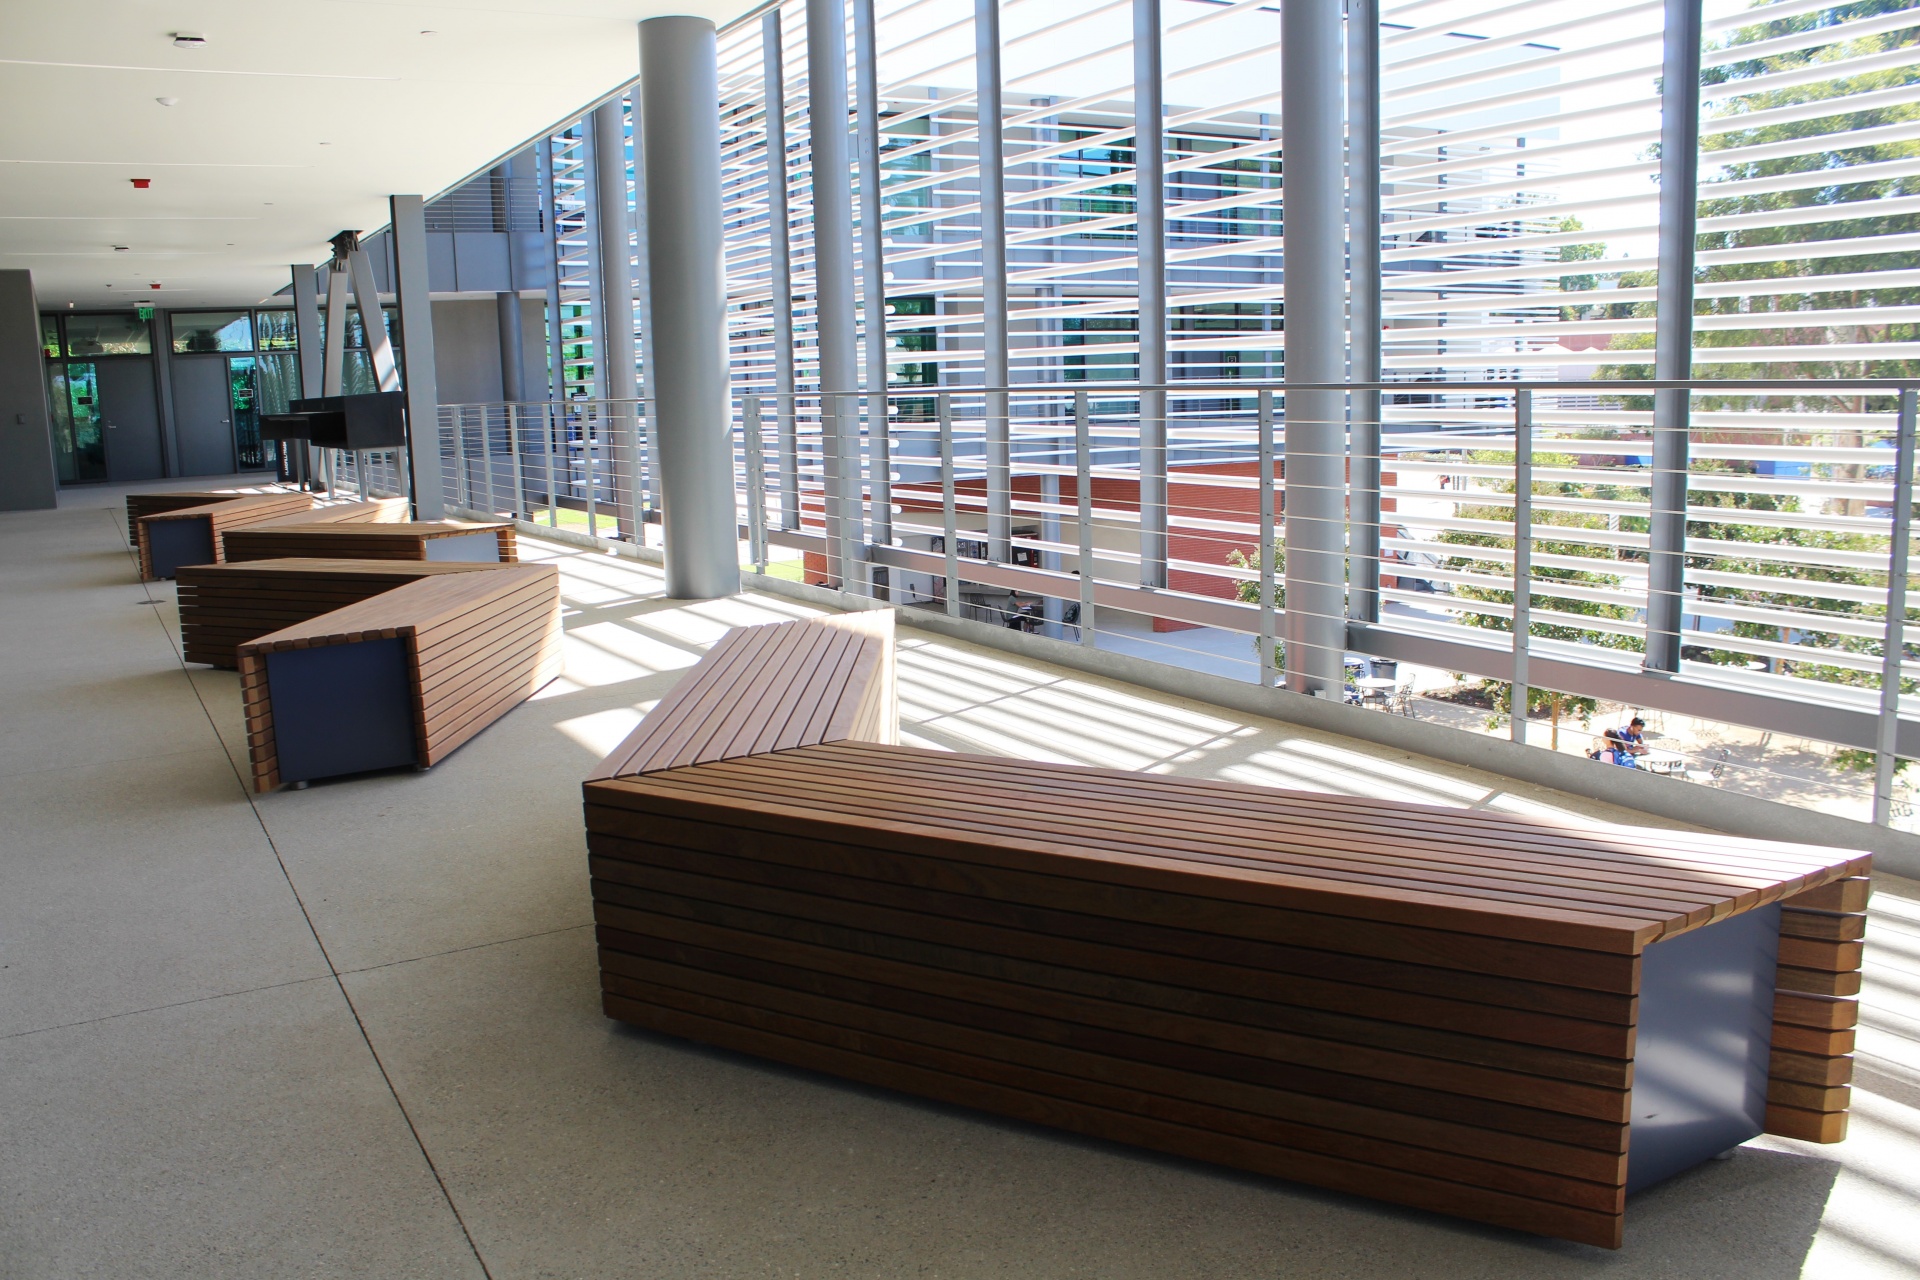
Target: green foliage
(1547, 575)
(1249, 592)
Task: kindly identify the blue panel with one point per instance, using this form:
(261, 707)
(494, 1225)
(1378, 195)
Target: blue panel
(484, 547)
(1706, 1027)
(341, 708)
(172, 543)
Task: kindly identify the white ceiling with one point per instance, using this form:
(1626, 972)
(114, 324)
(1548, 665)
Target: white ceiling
(295, 120)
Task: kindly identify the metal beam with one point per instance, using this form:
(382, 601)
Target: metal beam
(1313, 248)
(686, 273)
(556, 344)
(1673, 330)
(334, 355)
(873, 271)
(1894, 647)
(409, 223)
(1363, 307)
(306, 328)
(787, 443)
(833, 286)
(613, 233)
(1150, 204)
(993, 278)
(373, 320)
(311, 360)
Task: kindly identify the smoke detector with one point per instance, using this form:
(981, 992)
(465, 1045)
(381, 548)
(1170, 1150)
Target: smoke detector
(166, 102)
(189, 40)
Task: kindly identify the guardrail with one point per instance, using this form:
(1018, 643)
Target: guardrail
(1051, 508)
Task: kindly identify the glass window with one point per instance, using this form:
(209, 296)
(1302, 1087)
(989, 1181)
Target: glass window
(277, 378)
(210, 331)
(50, 337)
(357, 334)
(275, 331)
(108, 336)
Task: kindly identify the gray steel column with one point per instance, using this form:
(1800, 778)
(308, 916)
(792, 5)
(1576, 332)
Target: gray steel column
(1519, 699)
(513, 347)
(334, 356)
(373, 320)
(686, 273)
(1150, 204)
(1673, 331)
(409, 221)
(873, 270)
(556, 345)
(787, 443)
(1893, 649)
(833, 283)
(306, 331)
(1363, 305)
(1314, 255)
(993, 278)
(613, 233)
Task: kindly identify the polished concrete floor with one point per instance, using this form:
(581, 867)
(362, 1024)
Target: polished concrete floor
(353, 1031)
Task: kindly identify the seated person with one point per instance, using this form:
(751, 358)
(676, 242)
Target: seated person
(1633, 737)
(1612, 750)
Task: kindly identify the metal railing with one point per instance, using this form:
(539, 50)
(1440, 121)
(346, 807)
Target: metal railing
(1791, 618)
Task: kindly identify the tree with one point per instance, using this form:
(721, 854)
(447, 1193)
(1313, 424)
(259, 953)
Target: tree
(1777, 318)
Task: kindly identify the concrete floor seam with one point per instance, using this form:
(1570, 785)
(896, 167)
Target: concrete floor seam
(161, 1008)
(333, 969)
(478, 946)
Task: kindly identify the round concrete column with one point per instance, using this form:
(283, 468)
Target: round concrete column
(679, 108)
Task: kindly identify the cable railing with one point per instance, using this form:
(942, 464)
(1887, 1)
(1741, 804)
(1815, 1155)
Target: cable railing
(1206, 542)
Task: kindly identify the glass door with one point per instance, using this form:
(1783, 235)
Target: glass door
(75, 398)
(250, 452)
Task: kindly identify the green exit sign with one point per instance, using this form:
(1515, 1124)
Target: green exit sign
(145, 312)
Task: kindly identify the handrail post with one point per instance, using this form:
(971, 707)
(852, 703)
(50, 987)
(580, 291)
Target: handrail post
(1519, 695)
(460, 456)
(519, 473)
(950, 540)
(486, 459)
(756, 467)
(1083, 498)
(547, 419)
(1269, 668)
(1894, 648)
(586, 452)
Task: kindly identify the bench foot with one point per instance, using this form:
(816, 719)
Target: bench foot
(297, 786)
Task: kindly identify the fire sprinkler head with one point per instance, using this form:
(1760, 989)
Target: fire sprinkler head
(141, 184)
(154, 285)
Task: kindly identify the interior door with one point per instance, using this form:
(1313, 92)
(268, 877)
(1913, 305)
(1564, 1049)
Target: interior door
(203, 415)
(129, 418)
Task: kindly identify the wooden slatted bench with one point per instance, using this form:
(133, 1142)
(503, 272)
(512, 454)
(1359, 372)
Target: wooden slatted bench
(428, 540)
(1514, 1020)
(400, 678)
(222, 606)
(170, 536)
(369, 511)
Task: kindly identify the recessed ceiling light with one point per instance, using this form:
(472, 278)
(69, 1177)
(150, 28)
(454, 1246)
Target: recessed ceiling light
(166, 102)
(189, 40)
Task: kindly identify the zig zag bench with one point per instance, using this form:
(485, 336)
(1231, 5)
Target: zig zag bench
(348, 666)
(427, 540)
(1512, 1020)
